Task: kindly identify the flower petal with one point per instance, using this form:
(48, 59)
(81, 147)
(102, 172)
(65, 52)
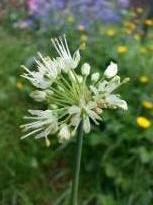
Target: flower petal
(113, 100)
(111, 70)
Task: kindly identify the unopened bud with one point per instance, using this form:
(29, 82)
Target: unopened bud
(64, 133)
(95, 77)
(85, 69)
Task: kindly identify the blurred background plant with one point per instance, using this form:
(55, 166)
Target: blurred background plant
(117, 157)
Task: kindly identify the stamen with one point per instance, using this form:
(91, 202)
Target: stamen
(57, 49)
(33, 132)
(61, 48)
(67, 48)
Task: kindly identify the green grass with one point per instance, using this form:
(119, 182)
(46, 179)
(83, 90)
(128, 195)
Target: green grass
(23, 175)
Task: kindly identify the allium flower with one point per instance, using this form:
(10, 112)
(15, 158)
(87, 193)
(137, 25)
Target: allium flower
(71, 98)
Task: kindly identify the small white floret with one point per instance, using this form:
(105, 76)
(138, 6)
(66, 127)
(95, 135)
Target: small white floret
(85, 69)
(95, 77)
(111, 70)
(64, 133)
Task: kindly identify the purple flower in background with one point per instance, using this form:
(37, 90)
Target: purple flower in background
(124, 3)
(33, 6)
(108, 16)
(60, 4)
(84, 11)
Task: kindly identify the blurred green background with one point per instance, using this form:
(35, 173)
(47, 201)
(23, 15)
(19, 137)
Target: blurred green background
(117, 163)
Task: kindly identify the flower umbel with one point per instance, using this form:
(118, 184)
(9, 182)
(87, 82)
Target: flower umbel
(71, 98)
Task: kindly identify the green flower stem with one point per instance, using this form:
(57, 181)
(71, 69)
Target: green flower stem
(75, 184)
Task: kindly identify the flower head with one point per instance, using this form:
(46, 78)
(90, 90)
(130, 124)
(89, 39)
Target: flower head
(143, 122)
(71, 98)
(111, 32)
(139, 10)
(122, 49)
(148, 22)
(144, 79)
(147, 104)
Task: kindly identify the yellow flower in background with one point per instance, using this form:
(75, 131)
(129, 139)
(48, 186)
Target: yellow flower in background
(139, 10)
(19, 85)
(143, 122)
(70, 19)
(122, 49)
(148, 22)
(147, 104)
(144, 79)
(84, 38)
(111, 32)
(129, 25)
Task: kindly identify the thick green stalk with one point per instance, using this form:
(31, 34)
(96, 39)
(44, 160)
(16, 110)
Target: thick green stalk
(75, 184)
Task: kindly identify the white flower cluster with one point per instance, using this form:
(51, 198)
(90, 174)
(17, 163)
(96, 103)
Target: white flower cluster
(70, 97)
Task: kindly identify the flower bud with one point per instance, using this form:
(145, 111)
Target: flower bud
(85, 69)
(95, 77)
(76, 58)
(64, 133)
(111, 70)
(126, 80)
